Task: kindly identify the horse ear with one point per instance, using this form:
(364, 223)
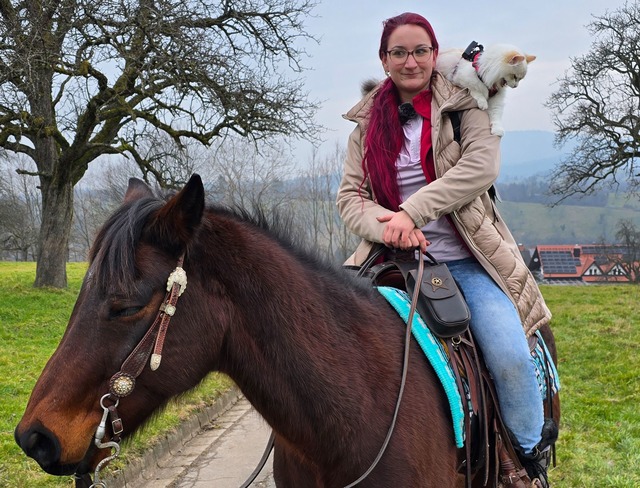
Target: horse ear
(137, 189)
(175, 223)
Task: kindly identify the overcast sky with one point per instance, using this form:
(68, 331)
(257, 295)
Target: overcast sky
(349, 33)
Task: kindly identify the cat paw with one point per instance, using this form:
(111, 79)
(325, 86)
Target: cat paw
(483, 104)
(497, 130)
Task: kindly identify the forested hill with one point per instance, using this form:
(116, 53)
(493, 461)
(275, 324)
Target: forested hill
(527, 159)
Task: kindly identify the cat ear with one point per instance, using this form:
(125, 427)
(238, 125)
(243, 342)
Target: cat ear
(516, 59)
(530, 57)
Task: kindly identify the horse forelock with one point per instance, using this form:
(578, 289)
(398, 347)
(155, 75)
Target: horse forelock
(113, 254)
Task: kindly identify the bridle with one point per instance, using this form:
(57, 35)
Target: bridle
(123, 382)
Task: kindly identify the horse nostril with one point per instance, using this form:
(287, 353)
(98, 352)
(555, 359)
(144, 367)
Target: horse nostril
(40, 444)
(30, 442)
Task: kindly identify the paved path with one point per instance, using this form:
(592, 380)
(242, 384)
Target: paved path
(222, 455)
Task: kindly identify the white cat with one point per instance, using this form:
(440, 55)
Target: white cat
(486, 73)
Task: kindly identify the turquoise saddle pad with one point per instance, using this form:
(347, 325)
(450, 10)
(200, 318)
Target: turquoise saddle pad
(437, 357)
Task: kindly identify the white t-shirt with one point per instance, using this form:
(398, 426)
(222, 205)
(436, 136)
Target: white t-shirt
(445, 243)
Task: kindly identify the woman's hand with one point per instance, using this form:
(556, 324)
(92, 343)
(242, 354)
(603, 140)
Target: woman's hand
(401, 232)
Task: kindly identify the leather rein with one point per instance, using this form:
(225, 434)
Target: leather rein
(405, 359)
(150, 346)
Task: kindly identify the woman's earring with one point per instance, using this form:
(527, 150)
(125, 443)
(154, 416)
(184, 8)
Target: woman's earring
(386, 73)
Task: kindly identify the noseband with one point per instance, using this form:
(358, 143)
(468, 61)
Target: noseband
(123, 382)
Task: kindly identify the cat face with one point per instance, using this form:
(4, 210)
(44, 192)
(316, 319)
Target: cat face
(515, 68)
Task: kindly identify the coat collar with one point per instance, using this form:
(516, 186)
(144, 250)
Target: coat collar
(444, 92)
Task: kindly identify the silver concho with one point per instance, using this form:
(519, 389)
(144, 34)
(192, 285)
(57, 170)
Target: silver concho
(438, 282)
(178, 276)
(122, 384)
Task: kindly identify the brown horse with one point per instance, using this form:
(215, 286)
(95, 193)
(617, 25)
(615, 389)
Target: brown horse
(318, 355)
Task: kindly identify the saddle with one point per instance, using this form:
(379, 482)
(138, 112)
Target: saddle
(488, 447)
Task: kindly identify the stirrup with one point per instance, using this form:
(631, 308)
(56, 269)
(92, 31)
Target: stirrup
(536, 465)
(537, 462)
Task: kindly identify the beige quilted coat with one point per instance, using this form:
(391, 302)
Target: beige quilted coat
(464, 174)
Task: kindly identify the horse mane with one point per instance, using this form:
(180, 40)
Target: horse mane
(280, 227)
(112, 257)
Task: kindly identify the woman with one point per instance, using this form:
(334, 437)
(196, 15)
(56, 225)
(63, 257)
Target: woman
(408, 183)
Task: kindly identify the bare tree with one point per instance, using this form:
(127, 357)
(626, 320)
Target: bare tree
(172, 163)
(628, 235)
(597, 106)
(19, 212)
(311, 199)
(113, 178)
(244, 176)
(91, 208)
(95, 198)
(84, 78)
(86, 220)
(323, 223)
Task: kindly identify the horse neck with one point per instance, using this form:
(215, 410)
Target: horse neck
(293, 346)
(277, 347)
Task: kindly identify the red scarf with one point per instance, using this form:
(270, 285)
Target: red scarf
(422, 105)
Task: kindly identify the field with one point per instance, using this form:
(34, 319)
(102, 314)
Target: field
(597, 329)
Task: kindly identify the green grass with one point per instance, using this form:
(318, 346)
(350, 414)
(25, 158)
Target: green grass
(598, 333)
(31, 324)
(597, 329)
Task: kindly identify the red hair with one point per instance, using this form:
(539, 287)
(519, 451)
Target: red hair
(384, 137)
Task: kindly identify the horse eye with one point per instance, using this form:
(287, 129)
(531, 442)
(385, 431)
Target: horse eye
(124, 312)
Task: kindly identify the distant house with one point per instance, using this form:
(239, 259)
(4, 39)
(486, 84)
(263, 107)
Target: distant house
(525, 253)
(579, 264)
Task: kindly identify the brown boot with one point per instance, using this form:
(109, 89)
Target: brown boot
(510, 475)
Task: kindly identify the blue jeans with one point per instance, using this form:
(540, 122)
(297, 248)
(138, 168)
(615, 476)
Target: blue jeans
(497, 329)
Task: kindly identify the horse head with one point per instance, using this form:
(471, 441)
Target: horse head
(125, 285)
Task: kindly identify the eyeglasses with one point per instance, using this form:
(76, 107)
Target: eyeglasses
(400, 56)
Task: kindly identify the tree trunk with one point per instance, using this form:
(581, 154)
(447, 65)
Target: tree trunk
(53, 249)
(56, 181)
(56, 188)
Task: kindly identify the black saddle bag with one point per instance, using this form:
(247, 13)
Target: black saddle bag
(440, 304)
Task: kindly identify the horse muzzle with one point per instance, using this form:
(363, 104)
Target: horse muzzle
(43, 446)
